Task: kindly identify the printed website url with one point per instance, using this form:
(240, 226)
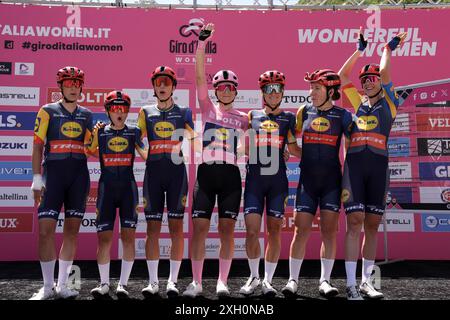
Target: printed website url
(74, 46)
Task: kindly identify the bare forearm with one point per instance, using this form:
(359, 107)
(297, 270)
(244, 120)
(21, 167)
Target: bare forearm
(36, 158)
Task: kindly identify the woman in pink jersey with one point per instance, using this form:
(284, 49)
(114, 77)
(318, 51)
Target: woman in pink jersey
(217, 175)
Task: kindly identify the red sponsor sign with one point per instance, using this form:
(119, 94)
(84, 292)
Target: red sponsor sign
(114, 160)
(158, 146)
(269, 141)
(310, 137)
(433, 122)
(289, 222)
(89, 97)
(372, 139)
(92, 198)
(66, 146)
(16, 222)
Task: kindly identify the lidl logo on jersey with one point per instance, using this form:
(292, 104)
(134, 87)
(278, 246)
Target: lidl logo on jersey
(293, 171)
(367, 123)
(433, 146)
(401, 123)
(320, 124)
(16, 197)
(433, 122)
(117, 144)
(16, 171)
(436, 222)
(439, 195)
(16, 146)
(434, 171)
(17, 120)
(400, 171)
(71, 129)
(16, 222)
(269, 126)
(19, 96)
(398, 147)
(163, 129)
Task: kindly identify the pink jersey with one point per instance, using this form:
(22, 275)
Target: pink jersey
(222, 129)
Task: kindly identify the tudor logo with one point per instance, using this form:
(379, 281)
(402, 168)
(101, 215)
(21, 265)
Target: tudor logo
(71, 129)
(367, 123)
(117, 144)
(320, 124)
(164, 129)
(269, 126)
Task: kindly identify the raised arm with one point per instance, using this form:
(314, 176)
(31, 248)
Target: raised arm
(385, 63)
(200, 77)
(347, 68)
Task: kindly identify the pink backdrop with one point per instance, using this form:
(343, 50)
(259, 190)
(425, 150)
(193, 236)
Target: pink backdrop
(249, 43)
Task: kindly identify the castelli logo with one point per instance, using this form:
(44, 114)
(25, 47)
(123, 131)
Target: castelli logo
(445, 195)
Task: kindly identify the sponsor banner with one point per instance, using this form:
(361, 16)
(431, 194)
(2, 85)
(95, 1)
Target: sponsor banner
(398, 222)
(425, 94)
(90, 97)
(289, 222)
(398, 198)
(433, 122)
(435, 195)
(16, 222)
(16, 171)
(434, 171)
(142, 223)
(212, 247)
(239, 226)
(143, 97)
(103, 117)
(16, 146)
(435, 147)
(5, 67)
(435, 222)
(400, 171)
(164, 248)
(16, 197)
(95, 171)
(293, 171)
(439, 104)
(245, 99)
(19, 96)
(24, 69)
(401, 123)
(17, 120)
(295, 98)
(399, 147)
(88, 223)
(291, 197)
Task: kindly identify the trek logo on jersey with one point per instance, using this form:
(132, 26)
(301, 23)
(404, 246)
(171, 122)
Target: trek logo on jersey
(274, 141)
(433, 122)
(115, 160)
(434, 171)
(269, 126)
(117, 144)
(17, 120)
(400, 171)
(164, 129)
(19, 96)
(433, 146)
(436, 223)
(367, 123)
(320, 124)
(71, 129)
(398, 147)
(16, 222)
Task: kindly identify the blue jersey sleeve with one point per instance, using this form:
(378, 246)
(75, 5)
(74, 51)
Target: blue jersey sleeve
(138, 138)
(391, 98)
(347, 123)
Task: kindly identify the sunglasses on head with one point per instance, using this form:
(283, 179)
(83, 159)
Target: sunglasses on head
(117, 108)
(271, 87)
(163, 80)
(370, 78)
(223, 87)
(69, 83)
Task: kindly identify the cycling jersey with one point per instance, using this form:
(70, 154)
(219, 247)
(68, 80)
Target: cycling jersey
(165, 179)
(159, 127)
(372, 124)
(65, 137)
(320, 175)
(64, 134)
(268, 137)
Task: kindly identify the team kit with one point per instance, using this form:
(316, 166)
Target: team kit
(65, 136)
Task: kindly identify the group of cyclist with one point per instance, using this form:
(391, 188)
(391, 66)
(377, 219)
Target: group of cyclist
(65, 136)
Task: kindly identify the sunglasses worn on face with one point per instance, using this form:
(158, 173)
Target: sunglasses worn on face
(223, 87)
(118, 108)
(371, 79)
(69, 83)
(163, 80)
(272, 87)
